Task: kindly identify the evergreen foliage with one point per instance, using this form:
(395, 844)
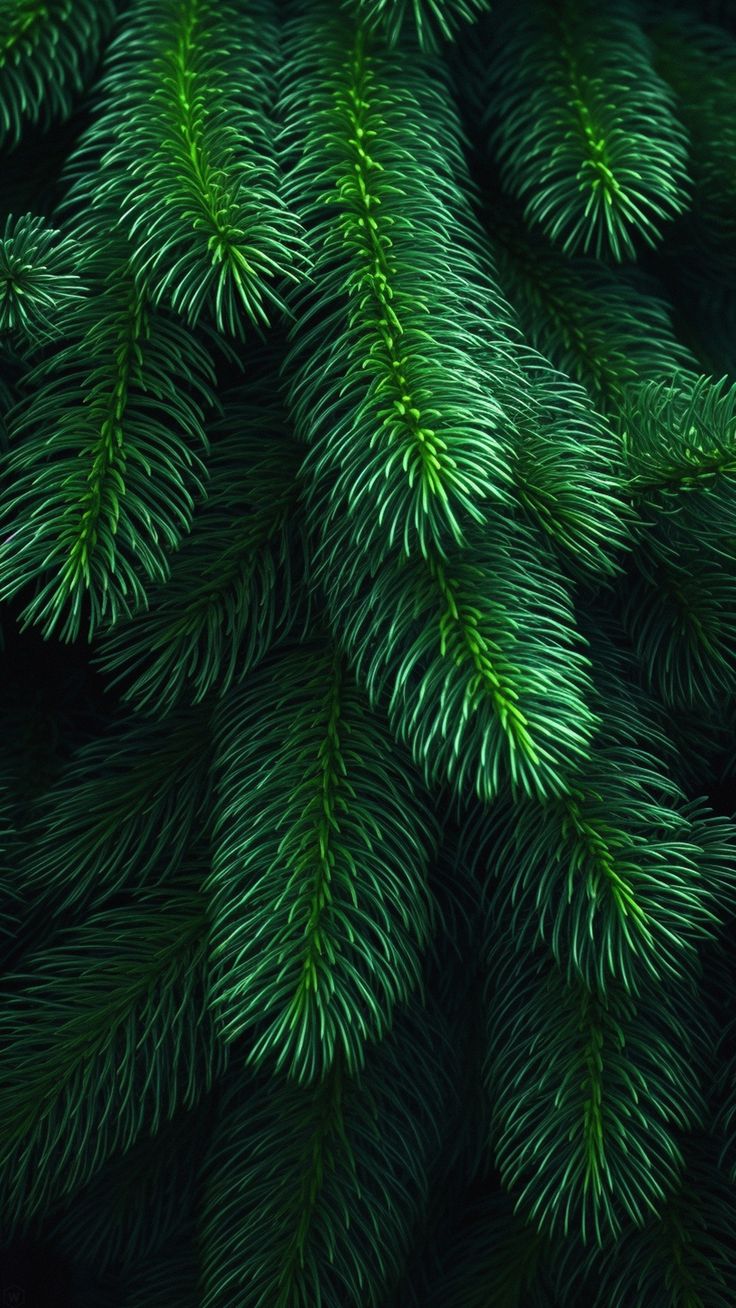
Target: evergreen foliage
(237, 583)
(108, 438)
(39, 281)
(140, 1199)
(433, 20)
(133, 1021)
(48, 52)
(318, 1187)
(184, 154)
(124, 810)
(317, 930)
(590, 1092)
(604, 328)
(683, 1255)
(679, 440)
(698, 60)
(585, 131)
(368, 623)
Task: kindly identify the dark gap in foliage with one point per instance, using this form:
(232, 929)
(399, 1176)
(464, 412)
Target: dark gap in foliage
(34, 1275)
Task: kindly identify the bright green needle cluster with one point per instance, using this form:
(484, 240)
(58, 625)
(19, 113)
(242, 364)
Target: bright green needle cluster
(119, 473)
(317, 933)
(184, 144)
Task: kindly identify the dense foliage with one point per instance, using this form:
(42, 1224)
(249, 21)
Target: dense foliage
(368, 608)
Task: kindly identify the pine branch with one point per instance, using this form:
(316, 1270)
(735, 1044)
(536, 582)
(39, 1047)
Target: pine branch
(612, 877)
(601, 327)
(679, 609)
(569, 471)
(679, 604)
(310, 1193)
(402, 406)
(318, 919)
(455, 982)
(124, 812)
(698, 61)
(685, 1257)
(488, 572)
(182, 148)
(237, 584)
(584, 129)
(48, 50)
(435, 21)
(39, 280)
(628, 714)
(477, 646)
(139, 1200)
(623, 877)
(680, 443)
(455, 976)
(476, 663)
(464, 1167)
(687, 744)
(589, 1094)
(101, 479)
(106, 1034)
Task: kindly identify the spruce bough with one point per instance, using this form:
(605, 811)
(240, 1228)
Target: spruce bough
(367, 557)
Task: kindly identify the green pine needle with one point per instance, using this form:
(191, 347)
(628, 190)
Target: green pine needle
(434, 21)
(311, 1193)
(318, 922)
(684, 1257)
(477, 662)
(48, 50)
(698, 61)
(104, 467)
(604, 328)
(407, 409)
(237, 582)
(367, 428)
(589, 1096)
(124, 812)
(130, 1020)
(414, 515)
(183, 151)
(39, 280)
(583, 128)
(678, 606)
(140, 1199)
